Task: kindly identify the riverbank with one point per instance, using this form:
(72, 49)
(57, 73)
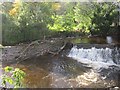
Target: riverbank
(43, 57)
(52, 46)
(34, 49)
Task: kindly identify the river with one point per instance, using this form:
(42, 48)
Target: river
(91, 63)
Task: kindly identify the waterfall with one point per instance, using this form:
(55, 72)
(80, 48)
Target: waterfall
(96, 58)
(109, 39)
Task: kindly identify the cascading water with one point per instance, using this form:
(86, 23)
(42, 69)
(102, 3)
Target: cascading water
(109, 39)
(96, 58)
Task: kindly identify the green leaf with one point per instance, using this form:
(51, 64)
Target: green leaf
(8, 69)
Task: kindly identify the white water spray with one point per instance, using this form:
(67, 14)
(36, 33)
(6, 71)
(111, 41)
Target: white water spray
(109, 39)
(93, 57)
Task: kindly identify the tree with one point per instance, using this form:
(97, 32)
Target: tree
(104, 16)
(94, 17)
(83, 16)
(64, 21)
(29, 19)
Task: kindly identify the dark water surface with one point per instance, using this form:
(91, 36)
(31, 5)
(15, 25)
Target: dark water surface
(96, 40)
(62, 71)
(48, 71)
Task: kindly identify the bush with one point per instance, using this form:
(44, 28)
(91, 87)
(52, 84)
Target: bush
(13, 77)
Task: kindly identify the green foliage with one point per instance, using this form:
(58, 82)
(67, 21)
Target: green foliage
(95, 18)
(27, 21)
(33, 14)
(64, 22)
(76, 17)
(104, 16)
(83, 15)
(13, 77)
(86, 17)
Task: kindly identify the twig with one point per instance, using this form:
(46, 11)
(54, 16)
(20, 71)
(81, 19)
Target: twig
(34, 42)
(56, 53)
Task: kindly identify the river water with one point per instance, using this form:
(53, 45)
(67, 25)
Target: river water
(91, 63)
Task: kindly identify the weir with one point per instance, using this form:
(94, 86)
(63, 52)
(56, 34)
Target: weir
(96, 56)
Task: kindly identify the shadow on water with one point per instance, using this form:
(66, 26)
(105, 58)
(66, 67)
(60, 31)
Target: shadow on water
(64, 72)
(49, 71)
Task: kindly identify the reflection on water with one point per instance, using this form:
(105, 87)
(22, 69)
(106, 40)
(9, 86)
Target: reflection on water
(96, 40)
(60, 72)
(51, 71)
(64, 72)
(37, 78)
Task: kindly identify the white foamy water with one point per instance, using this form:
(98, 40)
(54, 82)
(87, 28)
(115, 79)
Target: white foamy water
(93, 57)
(109, 39)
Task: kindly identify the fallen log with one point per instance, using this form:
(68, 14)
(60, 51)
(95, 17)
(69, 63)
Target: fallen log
(56, 53)
(38, 48)
(25, 49)
(66, 45)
